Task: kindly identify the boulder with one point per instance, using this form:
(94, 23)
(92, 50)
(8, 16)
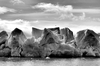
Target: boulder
(5, 52)
(88, 42)
(3, 37)
(47, 49)
(36, 32)
(65, 51)
(15, 41)
(67, 35)
(31, 49)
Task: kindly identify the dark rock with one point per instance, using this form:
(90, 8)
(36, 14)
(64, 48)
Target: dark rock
(47, 49)
(36, 32)
(3, 37)
(67, 34)
(15, 41)
(15, 52)
(31, 49)
(51, 46)
(2, 46)
(66, 51)
(88, 42)
(5, 52)
(60, 51)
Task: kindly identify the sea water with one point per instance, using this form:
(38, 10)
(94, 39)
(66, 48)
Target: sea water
(50, 62)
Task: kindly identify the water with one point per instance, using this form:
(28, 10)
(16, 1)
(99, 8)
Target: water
(50, 62)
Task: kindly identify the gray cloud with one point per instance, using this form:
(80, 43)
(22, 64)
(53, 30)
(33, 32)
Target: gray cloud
(75, 14)
(66, 11)
(17, 2)
(5, 10)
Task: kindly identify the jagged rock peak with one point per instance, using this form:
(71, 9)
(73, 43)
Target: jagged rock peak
(36, 33)
(16, 35)
(67, 34)
(16, 31)
(3, 37)
(3, 33)
(57, 29)
(88, 41)
(87, 33)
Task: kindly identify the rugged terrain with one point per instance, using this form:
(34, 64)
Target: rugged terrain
(50, 42)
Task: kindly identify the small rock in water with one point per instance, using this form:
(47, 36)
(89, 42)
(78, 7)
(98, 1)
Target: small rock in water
(47, 57)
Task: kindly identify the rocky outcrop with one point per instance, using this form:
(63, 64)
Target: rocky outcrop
(36, 32)
(88, 43)
(15, 41)
(3, 37)
(50, 42)
(67, 35)
(52, 46)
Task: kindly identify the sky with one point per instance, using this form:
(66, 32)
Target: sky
(25, 14)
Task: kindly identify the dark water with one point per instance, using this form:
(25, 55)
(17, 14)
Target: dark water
(50, 62)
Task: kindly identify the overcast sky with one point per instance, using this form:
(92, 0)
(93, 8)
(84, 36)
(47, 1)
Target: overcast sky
(74, 14)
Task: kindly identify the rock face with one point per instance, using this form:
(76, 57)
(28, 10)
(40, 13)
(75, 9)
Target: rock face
(3, 37)
(67, 34)
(36, 32)
(15, 41)
(88, 42)
(51, 45)
(4, 51)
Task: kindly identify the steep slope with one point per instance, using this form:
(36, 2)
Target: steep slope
(3, 37)
(36, 32)
(67, 35)
(15, 41)
(88, 42)
(4, 51)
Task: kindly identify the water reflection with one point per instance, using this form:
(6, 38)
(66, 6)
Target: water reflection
(51, 62)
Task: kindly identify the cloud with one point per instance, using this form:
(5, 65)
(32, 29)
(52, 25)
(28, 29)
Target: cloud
(17, 2)
(26, 26)
(81, 17)
(65, 11)
(9, 25)
(55, 8)
(5, 10)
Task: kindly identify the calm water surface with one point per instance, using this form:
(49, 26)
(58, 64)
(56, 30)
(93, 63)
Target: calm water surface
(50, 62)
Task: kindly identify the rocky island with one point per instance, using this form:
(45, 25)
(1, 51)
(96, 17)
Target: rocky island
(50, 42)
